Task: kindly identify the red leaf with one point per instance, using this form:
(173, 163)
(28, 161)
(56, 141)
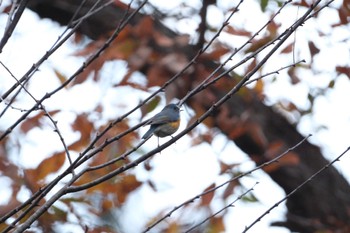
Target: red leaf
(343, 70)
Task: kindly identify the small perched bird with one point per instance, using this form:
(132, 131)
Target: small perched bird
(165, 123)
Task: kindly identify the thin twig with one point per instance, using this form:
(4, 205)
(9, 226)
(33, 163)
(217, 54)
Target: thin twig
(47, 188)
(296, 189)
(12, 22)
(274, 160)
(206, 82)
(223, 209)
(42, 192)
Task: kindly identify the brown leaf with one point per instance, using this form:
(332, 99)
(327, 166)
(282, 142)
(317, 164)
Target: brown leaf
(344, 13)
(229, 190)
(60, 76)
(156, 76)
(313, 49)
(218, 51)
(274, 149)
(224, 167)
(293, 75)
(259, 88)
(290, 159)
(84, 126)
(121, 50)
(343, 70)
(163, 40)
(272, 27)
(139, 57)
(174, 62)
(288, 48)
(216, 224)
(46, 167)
(257, 44)
(237, 31)
(172, 228)
(34, 121)
(125, 186)
(208, 197)
(144, 29)
(205, 137)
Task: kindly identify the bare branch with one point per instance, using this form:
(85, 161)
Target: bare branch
(297, 189)
(274, 160)
(12, 22)
(231, 204)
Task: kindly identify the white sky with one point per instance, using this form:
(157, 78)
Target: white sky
(174, 187)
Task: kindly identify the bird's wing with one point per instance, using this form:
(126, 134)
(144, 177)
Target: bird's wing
(158, 119)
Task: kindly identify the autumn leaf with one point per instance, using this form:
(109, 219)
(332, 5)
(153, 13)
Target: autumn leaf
(124, 186)
(313, 48)
(237, 31)
(62, 78)
(46, 167)
(208, 197)
(216, 225)
(343, 70)
(288, 48)
(218, 51)
(229, 190)
(32, 122)
(150, 106)
(84, 126)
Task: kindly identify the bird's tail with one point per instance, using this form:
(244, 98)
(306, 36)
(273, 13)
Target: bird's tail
(148, 133)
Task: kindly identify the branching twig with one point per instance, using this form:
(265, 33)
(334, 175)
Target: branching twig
(84, 156)
(46, 189)
(274, 72)
(296, 189)
(12, 22)
(274, 160)
(193, 61)
(205, 115)
(36, 66)
(223, 209)
(206, 82)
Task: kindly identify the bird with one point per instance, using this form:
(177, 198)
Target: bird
(165, 123)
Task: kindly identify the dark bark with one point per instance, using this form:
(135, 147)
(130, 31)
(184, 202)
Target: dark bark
(322, 204)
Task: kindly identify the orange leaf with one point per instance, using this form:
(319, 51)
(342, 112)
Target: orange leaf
(46, 167)
(83, 125)
(217, 224)
(60, 77)
(236, 31)
(259, 88)
(34, 121)
(173, 228)
(125, 186)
